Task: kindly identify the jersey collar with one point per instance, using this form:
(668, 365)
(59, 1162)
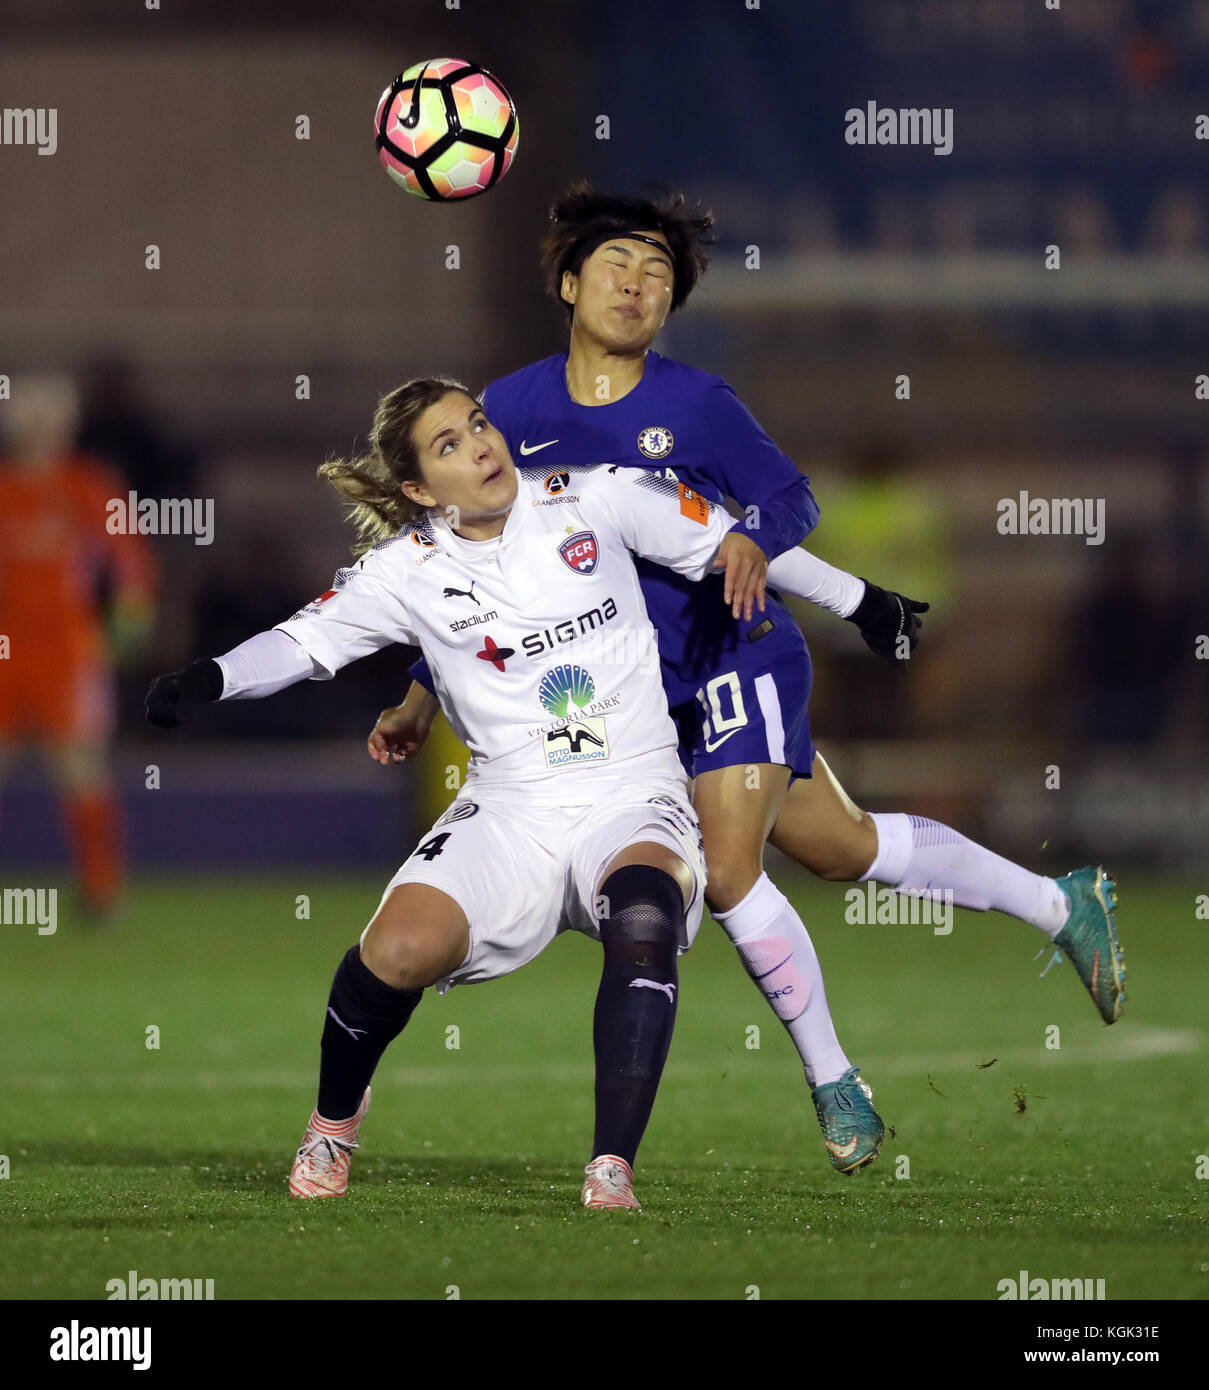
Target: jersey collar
(475, 550)
(650, 361)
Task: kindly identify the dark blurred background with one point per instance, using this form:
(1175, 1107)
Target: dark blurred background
(283, 258)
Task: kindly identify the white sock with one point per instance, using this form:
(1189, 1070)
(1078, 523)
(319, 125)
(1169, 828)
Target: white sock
(780, 957)
(920, 856)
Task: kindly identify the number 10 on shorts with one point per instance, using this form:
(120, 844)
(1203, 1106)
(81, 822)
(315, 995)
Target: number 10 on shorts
(717, 726)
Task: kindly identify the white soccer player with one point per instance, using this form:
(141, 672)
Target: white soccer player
(575, 813)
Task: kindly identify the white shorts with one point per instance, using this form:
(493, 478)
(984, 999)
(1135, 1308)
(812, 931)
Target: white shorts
(523, 874)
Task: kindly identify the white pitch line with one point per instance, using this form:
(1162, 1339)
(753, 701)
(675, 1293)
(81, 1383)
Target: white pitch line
(1130, 1045)
(1138, 1044)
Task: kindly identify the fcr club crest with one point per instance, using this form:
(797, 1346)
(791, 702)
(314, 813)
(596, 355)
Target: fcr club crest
(580, 552)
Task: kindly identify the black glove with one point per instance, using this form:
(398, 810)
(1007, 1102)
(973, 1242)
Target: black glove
(171, 698)
(883, 617)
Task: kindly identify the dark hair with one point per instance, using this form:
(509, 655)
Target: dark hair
(582, 216)
(371, 483)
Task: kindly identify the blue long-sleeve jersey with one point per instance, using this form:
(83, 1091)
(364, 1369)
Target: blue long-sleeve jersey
(687, 425)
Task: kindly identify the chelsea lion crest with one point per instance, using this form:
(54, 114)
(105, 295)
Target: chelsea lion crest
(655, 442)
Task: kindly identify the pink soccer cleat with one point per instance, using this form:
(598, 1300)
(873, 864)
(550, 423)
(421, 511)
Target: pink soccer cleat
(321, 1165)
(609, 1182)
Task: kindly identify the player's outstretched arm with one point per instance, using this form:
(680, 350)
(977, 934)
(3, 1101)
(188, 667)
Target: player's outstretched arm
(400, 732)
(804, 575)
(888, 621)
(261, 666)
(685, 532)
(665, 522)
(172, 699)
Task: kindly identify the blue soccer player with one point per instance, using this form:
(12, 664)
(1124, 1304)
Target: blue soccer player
(738, 684)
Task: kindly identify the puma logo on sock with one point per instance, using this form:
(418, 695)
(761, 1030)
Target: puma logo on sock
(669, 990)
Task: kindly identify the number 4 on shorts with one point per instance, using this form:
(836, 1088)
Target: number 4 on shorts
(431, 848)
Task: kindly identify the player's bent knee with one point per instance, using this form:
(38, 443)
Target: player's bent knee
(734, 860)
(730, 881)
(653, 855)
(409, 945)
(398, 959)
(642, 914)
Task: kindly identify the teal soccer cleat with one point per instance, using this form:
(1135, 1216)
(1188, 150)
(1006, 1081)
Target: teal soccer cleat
(1089, 938)
(852, 1129)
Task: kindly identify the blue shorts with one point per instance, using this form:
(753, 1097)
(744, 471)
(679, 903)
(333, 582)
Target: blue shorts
(752, 710)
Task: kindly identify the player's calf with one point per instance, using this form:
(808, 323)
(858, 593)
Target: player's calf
(634, 1017)
(364, 1016)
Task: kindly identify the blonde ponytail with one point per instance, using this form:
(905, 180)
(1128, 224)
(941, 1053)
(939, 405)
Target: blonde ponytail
(371, 484)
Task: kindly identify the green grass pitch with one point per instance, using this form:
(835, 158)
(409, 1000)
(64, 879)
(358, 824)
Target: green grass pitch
(173, 1161)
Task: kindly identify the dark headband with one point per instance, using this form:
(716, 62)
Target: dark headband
(582, 250)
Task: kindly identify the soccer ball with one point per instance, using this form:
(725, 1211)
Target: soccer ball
(446, 129)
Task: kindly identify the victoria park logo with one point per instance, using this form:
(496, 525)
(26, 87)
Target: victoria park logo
(563, 686)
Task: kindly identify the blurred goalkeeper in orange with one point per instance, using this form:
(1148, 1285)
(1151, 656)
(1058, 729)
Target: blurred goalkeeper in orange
(58, 639)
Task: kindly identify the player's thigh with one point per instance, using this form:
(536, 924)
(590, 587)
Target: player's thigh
(418, 935)
(651, 854)
(503, 866)
(821, 827)
(744, 734)
(737, 807)
(659, 829)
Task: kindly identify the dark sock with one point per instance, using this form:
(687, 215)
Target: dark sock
(632, 1026)
(364, 1016)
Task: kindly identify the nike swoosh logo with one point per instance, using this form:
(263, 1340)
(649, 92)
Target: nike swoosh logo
(843, 1150)
(526, 450)
(710, 747)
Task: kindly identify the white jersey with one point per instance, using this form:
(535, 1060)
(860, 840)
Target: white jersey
(538, 641)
